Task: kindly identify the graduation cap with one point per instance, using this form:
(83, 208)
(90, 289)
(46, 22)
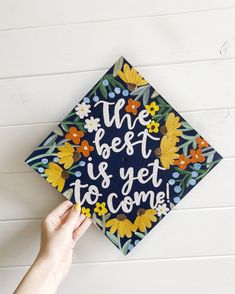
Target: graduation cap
(125, 155)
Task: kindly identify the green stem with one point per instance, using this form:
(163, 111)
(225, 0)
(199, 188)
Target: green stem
(40, 156)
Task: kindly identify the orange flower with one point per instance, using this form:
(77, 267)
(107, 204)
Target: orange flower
(132, 106)
(197, 155)
(74, 135)
(85, 148)
(201, 143)
(182, 161)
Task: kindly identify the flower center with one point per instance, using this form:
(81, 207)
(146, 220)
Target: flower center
(64, 174)
(85, 148)
(75, 135)
(121, 217)
(131, 86)
(76, 156)
(140, 211)
(163, 130)
(182, 162)
(157, 152)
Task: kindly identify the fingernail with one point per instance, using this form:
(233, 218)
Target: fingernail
(77, 206)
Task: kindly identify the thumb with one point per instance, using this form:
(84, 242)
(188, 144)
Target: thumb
(73, 216)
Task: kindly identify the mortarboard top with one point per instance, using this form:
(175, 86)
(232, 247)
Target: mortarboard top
(125, 154)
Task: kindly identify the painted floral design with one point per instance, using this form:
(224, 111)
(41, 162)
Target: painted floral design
(185, 157)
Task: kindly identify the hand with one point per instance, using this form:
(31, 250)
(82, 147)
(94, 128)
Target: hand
(60, 231)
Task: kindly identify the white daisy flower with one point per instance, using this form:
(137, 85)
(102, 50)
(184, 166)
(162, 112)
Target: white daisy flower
(82, 110)
(162, 209)
(92, 124)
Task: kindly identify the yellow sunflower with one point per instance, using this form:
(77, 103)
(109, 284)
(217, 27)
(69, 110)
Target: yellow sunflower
(56, 175)
(170, 129)
(131, 77)
(67, 155)
(152, 108)
(122, 225)
(167, 152)
(86, 212)
(144, 219)
(100, 208)
(153, 126)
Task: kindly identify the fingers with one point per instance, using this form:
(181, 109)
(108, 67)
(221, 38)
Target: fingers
(61, 209)
(73, 217)
(79, 232)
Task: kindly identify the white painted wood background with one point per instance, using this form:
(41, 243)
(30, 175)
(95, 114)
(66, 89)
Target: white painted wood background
(51, 53)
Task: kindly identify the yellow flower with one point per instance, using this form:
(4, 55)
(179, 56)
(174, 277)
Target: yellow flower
(152, 108)
(167, 152)
(86, 212)
(100, 208)
(56, 175)
(170, 129)
(67, 155)
(122, 225)
(131, 77)
(144, 219)
(153, 126)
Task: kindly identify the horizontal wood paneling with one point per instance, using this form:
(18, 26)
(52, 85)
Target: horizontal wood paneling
(20, 141)
(15, 14)
(88, 46)
(209, 275)
(192, 86)
(183, 233)
(27, 195)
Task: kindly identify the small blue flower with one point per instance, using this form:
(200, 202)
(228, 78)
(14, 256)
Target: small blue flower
(130, 247)
(86, 100)
(96, 98)
(136, 242)
(44, 160)
(192, 182)
(171, 181)
(117, 90)
(105, 82)
(197, 166)
(177, 189)
(56, 159)
(82, 163)
(176, 199)
(40, 169)
(175, 175)
(125, 93)
(111, 95)
(194, 174)
(78, 174)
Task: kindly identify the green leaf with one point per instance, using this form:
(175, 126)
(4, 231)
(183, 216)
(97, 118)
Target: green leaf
(154, 94)
(146, 96)
(118, 66)
(64, 127)
(125, 247)
(139, 90)
(186, 125)
(58, 131)
(113, 238)
(107, 216)
(103, 91)
(68, 193)
(162, 101)
(210, 158)
(50, 140)
(140, 235)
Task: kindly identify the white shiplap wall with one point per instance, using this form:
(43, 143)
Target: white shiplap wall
(51, 53)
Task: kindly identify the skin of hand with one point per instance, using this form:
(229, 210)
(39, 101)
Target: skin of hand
(60, 231)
